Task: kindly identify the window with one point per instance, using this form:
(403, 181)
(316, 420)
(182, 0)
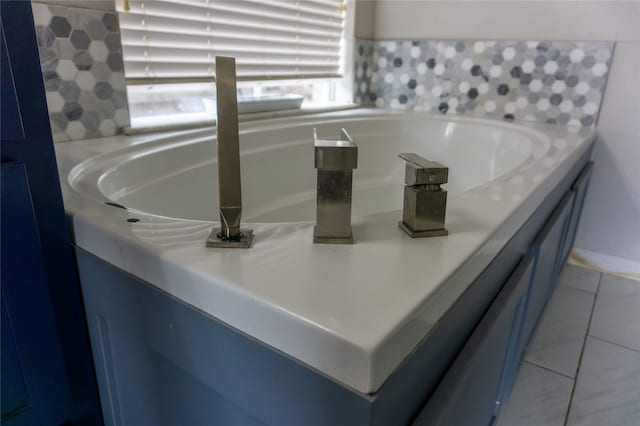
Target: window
(286, 51)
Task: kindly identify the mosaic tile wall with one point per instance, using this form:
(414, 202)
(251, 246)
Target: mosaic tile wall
(81, 59)
(551, 82)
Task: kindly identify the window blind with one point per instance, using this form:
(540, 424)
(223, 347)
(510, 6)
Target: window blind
(171, 41)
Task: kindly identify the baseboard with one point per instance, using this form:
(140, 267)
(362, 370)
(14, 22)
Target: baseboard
(613, 265)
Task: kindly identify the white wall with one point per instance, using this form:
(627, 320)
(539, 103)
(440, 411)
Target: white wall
(365, 15)
(611, 219)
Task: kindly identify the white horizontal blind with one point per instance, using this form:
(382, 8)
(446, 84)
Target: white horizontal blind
(177, 40)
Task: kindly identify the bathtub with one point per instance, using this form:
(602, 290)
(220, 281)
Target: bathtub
(354, 313)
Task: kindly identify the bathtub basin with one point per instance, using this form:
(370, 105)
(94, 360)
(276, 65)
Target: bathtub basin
(180, 179)
(146, 204)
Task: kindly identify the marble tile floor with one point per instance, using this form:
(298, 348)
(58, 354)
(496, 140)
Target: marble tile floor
(582, 367)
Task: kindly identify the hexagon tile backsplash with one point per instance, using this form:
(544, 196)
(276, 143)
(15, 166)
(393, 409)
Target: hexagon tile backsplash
(559, 82)
(81, 59)
(546, 81)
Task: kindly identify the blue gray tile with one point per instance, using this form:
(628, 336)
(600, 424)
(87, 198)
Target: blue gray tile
(80, 39)
(114, 60)
(72, 110)
(103, 90)
(608, 387)
(83, 60)
(69, 91)
(60, 26)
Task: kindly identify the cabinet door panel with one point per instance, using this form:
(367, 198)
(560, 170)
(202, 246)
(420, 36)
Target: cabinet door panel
(515, 348)
(11, 128)
(25, 295)
(14, 393)
(42, 269)
(469, 392)
(579, 188)
(546, 249)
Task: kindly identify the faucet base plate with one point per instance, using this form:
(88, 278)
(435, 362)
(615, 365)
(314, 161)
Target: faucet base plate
(421, 234)
(317, 239)
(245, 240)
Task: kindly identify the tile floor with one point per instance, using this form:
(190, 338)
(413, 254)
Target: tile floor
(582, 366)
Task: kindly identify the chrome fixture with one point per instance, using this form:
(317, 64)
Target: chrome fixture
(229, 234)
(335, 160)
(425, 202)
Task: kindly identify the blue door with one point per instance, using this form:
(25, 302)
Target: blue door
(34, 383)
(47, 371)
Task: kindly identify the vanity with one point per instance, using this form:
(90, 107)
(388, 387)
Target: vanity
(390, 330)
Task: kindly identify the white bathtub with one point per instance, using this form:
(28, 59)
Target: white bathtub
(351, 312)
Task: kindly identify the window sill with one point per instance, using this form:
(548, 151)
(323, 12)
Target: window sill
(189, 121)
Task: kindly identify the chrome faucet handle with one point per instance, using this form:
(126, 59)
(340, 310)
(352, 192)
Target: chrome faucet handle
(420, 171)
(425, 202)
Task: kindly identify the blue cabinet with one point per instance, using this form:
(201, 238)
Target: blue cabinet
(470, 392)
(11, 128)
(579, 189)
(34, 383)
(546, 249)
(481, 378)
(14, 392)
(47, 370)
(160, 361)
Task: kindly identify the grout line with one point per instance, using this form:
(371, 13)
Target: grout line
(613, 343)
(548, 369)
(584, 343)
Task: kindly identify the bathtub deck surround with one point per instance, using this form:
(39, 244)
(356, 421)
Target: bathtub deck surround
(292, 331)
(425, 202)
(353, 313)
(335, 160)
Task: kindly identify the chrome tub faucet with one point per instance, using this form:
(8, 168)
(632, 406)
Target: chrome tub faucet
(335, 160)
(425, 202)
(229, 234)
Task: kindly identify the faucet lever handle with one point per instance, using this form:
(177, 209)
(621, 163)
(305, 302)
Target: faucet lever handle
(420, 171)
